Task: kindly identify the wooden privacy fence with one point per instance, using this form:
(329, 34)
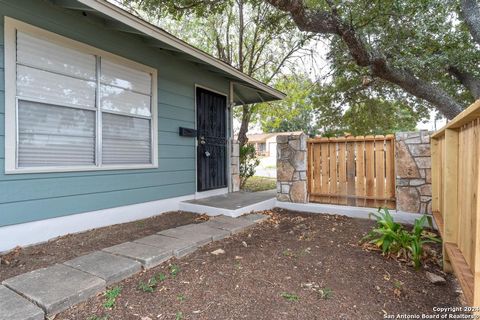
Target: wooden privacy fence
(356, 171)
(455, 197)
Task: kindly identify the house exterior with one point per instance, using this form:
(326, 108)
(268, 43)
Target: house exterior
(105, 118)
(266, 143)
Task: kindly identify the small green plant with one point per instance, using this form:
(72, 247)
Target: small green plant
(397, 284)
(178, 316)
(290, 296)
(325, 293)
(181, 297)
(111, 297)
(140, 224)
(160, 277)
(287, 253)
(174, 270)
(148, 286)
(237, 265)
(392, 238)
(248, 163)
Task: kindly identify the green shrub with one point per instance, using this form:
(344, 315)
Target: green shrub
(392, 238)
(248, 163)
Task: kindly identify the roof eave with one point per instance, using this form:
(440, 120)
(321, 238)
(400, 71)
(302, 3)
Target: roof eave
(148, 29)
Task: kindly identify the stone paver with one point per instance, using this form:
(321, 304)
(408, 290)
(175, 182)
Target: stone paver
(233, 225)
(107, 266)
(16, 307)
(254, 217)
(179, 247)
(57, 287)
(200, 234)
(148, 256)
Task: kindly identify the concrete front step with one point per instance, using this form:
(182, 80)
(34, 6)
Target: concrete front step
(106, 266)
(61, 286)
(57, 287)
(16, 307)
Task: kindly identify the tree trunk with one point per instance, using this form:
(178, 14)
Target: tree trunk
(471, 14)
(242, 134)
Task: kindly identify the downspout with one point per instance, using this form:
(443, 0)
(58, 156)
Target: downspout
(230, 105)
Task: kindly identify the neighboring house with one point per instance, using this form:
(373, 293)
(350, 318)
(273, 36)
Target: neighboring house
(89, 124)
(266, 143)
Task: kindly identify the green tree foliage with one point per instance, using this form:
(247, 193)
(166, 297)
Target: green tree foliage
(417, 51)
(319, 110)
(250, 35)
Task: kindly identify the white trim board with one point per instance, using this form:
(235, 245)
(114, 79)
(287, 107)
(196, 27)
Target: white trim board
(36, 232)
(353, 212)
(41, 231)
(214, 211)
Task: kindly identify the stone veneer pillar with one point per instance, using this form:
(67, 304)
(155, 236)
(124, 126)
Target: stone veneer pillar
(292, 168)
(413, 172)
(235, 167)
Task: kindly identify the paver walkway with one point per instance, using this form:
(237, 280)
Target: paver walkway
(48, 291)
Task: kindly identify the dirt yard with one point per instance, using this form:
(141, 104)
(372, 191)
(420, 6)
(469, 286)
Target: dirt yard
(294, 266)
(68, 247)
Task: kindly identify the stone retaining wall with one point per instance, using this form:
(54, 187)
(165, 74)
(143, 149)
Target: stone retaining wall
(413, 172)
(292, 168)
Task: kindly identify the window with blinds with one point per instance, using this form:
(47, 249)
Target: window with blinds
(78, 108)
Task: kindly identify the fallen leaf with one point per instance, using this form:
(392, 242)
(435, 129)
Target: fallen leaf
(218, 251)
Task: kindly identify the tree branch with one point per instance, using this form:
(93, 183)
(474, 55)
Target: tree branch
(467, 79)
(325, 22)
(471, 14)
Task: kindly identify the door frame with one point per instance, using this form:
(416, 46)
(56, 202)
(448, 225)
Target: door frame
(219, 191)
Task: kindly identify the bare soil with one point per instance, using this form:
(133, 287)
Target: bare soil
(64, 248)
(293, 266)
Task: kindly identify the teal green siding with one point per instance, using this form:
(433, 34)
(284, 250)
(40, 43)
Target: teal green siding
(31, 197)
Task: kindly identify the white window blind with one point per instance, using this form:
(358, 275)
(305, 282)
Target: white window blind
(55, 136)
(126, 107)
(59, 114)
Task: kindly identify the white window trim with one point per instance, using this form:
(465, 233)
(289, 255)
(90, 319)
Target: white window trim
(11, 120)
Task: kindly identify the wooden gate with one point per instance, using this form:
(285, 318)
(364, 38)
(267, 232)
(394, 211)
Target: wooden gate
(356, 171)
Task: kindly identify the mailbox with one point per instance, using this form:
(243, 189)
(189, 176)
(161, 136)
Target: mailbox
(187, 132)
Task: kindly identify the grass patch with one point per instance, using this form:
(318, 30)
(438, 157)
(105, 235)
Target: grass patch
(290, 296)
(325, 293)
(255, 184)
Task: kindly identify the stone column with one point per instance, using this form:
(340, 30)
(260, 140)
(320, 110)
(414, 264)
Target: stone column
(413, 172)
(235, 167)
(292, 168)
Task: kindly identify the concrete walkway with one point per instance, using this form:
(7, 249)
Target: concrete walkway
(48, 291)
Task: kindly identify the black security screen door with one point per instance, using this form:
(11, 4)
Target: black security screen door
(212, 140)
